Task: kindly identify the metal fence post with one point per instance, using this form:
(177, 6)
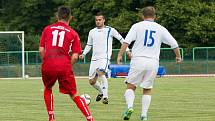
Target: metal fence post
(26, 57)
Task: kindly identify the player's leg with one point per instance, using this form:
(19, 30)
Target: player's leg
(96, 84)
(93, 80)
(101, 71)
(49, 80)
(129, 99)
(68, 86)
(147, 85)
(104, 85)
(134, 76)
(129, 95)
(81, 104)
(146, 100)
(49, 101)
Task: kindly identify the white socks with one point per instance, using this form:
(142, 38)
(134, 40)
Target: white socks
(129, 97)
(146, 99)
(97, 86)
(104, 86)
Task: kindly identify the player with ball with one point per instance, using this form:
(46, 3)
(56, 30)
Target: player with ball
(100, 39)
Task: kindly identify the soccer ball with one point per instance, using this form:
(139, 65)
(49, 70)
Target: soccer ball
(87, 98)
(26, 76)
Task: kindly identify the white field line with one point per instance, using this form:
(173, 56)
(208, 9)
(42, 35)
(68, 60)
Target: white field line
(191, 75)
(181, 75)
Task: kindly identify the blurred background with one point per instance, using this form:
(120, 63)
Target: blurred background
(191, 22)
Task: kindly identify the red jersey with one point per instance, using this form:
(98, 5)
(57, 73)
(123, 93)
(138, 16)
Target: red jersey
(59, 39)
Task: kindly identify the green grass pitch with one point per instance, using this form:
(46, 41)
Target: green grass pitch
(174, 99)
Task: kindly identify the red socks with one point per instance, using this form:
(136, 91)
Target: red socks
(81, 104)
(49, 101)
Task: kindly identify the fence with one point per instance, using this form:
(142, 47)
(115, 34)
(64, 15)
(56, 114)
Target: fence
(202, 53)
(201, 61)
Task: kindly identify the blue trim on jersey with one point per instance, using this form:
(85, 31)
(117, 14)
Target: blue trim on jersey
(107, 46)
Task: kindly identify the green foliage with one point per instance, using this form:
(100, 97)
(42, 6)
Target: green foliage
(32, 42)
(10, 42)
(120, 14)
(123, 21)
(29, 16)
(191, 22)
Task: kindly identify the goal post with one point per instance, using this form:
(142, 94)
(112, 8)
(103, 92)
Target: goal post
(12, 54)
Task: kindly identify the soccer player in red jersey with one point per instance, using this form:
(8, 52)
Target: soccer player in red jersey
(55, 44)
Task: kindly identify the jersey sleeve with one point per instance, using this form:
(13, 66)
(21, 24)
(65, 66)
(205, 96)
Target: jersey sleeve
(131, 36)
(119, 37)
(116, 34)
(89, 44)
(42, 38)
(168, 39)
(90, 39)
(76, 46)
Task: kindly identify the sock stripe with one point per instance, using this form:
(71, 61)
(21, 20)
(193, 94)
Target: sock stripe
(52, 116)
(84, 106)
(51, 102)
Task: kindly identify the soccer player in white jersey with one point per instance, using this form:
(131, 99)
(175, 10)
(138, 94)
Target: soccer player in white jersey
(100, 39)
(148, 36)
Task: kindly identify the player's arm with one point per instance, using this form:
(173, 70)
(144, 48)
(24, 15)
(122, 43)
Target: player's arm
(170, 40)
(42, 45)
(74, 58)
(121, 51)
(87, 47)
(121, 39)
(76, 49)
(131, 36)
(86, 50)
(178, 55)
(42, 52)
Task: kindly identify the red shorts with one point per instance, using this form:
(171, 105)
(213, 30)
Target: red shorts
(65, 77)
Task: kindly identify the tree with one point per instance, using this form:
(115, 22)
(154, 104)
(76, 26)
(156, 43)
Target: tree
(29, 16)
(120, 14)
(191, 22)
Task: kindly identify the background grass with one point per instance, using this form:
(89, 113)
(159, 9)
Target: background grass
(174, 99)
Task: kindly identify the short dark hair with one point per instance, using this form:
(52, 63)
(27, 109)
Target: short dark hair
(100, 14)
(148, 11)
(64, 13)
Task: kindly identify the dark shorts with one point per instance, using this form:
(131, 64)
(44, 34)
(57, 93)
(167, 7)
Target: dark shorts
(65, 77)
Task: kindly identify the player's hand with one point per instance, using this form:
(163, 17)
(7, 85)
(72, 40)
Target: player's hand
(81, 56)
(119, 59)
(178, 59)
(129, 54)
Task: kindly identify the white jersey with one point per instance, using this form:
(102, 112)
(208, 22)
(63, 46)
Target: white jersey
(101, 40)
(148, 37)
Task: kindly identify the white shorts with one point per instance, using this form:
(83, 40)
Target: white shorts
(101, 64)
(143, 72)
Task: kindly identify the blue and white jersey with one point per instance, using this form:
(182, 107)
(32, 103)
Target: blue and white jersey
(148, 37)
(101, 41)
